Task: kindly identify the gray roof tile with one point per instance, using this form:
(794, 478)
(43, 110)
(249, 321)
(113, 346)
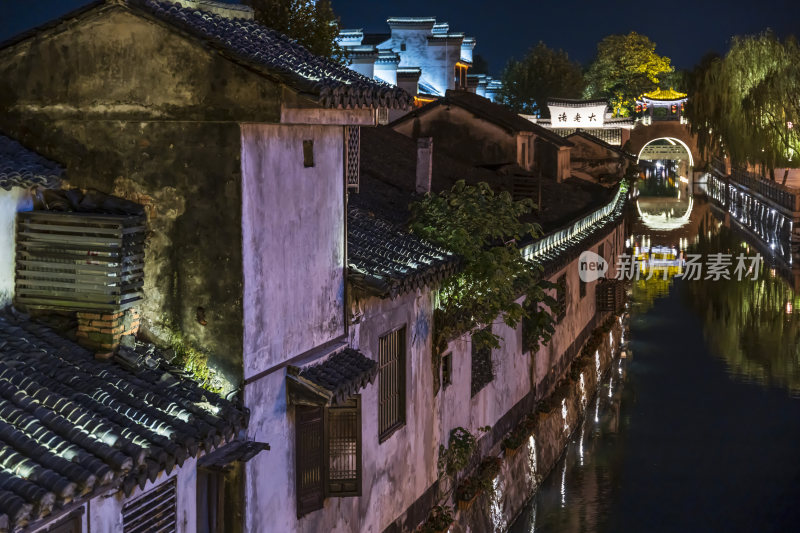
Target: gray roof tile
(336, 85)
(20, 167)
(386, 261)
(71, 425)
(343, 374)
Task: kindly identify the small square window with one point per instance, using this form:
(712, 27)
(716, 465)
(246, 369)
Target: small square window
(402, 47)
(447, 369)
(308, 153)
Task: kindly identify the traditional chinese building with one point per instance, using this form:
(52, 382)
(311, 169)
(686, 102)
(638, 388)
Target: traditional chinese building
(487, 134)
(661, 104)
(420, 55)
(590, 116)
(236, 145)
(596, 160)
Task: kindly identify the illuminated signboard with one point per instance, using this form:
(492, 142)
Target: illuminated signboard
(590, 116)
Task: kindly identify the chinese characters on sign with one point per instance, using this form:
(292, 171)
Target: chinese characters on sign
(575, 117)
(715, 267)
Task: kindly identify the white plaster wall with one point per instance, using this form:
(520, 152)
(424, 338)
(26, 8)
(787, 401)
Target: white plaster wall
(104, 512)
(11, 202)
(387, 72)
(364, 66)
(293, 299)
(439, 66)
(395, 472)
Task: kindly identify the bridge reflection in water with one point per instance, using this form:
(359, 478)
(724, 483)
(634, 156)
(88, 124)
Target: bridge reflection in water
(672, 431)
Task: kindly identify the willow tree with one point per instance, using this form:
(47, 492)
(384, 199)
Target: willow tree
(625, 67)
(746, 104)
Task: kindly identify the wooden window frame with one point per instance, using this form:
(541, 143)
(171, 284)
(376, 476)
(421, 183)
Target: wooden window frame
(387, 428)
(326, 488)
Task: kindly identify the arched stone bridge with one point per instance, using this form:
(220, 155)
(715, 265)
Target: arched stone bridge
(669, 130)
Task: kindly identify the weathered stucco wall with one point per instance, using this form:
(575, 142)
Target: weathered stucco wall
(456, 131)
(132, 107)
(294, 241)
(395, 472)
(11, 202)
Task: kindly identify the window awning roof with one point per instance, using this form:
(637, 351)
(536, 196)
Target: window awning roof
(332, 381)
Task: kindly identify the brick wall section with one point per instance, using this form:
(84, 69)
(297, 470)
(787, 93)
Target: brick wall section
(103, 331)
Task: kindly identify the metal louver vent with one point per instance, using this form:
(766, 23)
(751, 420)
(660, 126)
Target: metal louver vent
(153, 512)
(383, 116)
(352, 156)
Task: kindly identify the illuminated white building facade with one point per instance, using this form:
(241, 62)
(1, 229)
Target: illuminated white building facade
(419, 55)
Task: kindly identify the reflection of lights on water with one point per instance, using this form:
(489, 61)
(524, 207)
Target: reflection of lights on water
(564, 414)
(532, 465)
(583, 391)
(611, 386)
(597, 364)
(564, 485)
(580, 445)
(496, 506)
(597, 410)
(789, 308)
(610, 339)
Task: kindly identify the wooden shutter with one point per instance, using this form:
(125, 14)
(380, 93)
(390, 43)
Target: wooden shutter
(482, 368)
(392, 382)
(309, 459)
(344, 448)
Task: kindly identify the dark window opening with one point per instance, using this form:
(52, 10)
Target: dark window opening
(308, 154)
(70, 524)
(561, 297)
(482, 368)
(392, 382)
(327, 453)
(447, 369)
(402, 47)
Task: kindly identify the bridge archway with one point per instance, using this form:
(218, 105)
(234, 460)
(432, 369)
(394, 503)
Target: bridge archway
(642, 135)
(669, 153)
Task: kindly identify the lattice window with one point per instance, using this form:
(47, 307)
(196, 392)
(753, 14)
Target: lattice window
(327, 453)
(352, 157)
(392, 386)
(344, 448)
(155, 511)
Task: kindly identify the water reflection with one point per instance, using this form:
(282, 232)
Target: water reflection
(696, 432)
(753, 326)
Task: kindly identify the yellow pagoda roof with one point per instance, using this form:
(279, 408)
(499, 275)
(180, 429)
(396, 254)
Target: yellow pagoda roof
(664, 94)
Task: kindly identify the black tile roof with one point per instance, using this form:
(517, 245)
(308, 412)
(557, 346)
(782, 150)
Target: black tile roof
(597, 140)
(72, 425)
(336, 85)
(487, 110)
(342, 374)
(20, 167)
(386, 261)
(569, 102)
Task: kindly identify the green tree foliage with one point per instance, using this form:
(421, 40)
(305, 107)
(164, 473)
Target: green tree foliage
(483, 228)
(543, 73)
(746, 103)
(625, 67)
(312, 23)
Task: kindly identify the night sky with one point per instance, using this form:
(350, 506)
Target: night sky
(684, 30)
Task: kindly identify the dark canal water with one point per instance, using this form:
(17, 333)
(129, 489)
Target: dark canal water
(698, 429)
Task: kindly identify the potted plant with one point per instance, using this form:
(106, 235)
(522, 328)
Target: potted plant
(487, 471)
(439, 520)
(467, 492)
(514, 440)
